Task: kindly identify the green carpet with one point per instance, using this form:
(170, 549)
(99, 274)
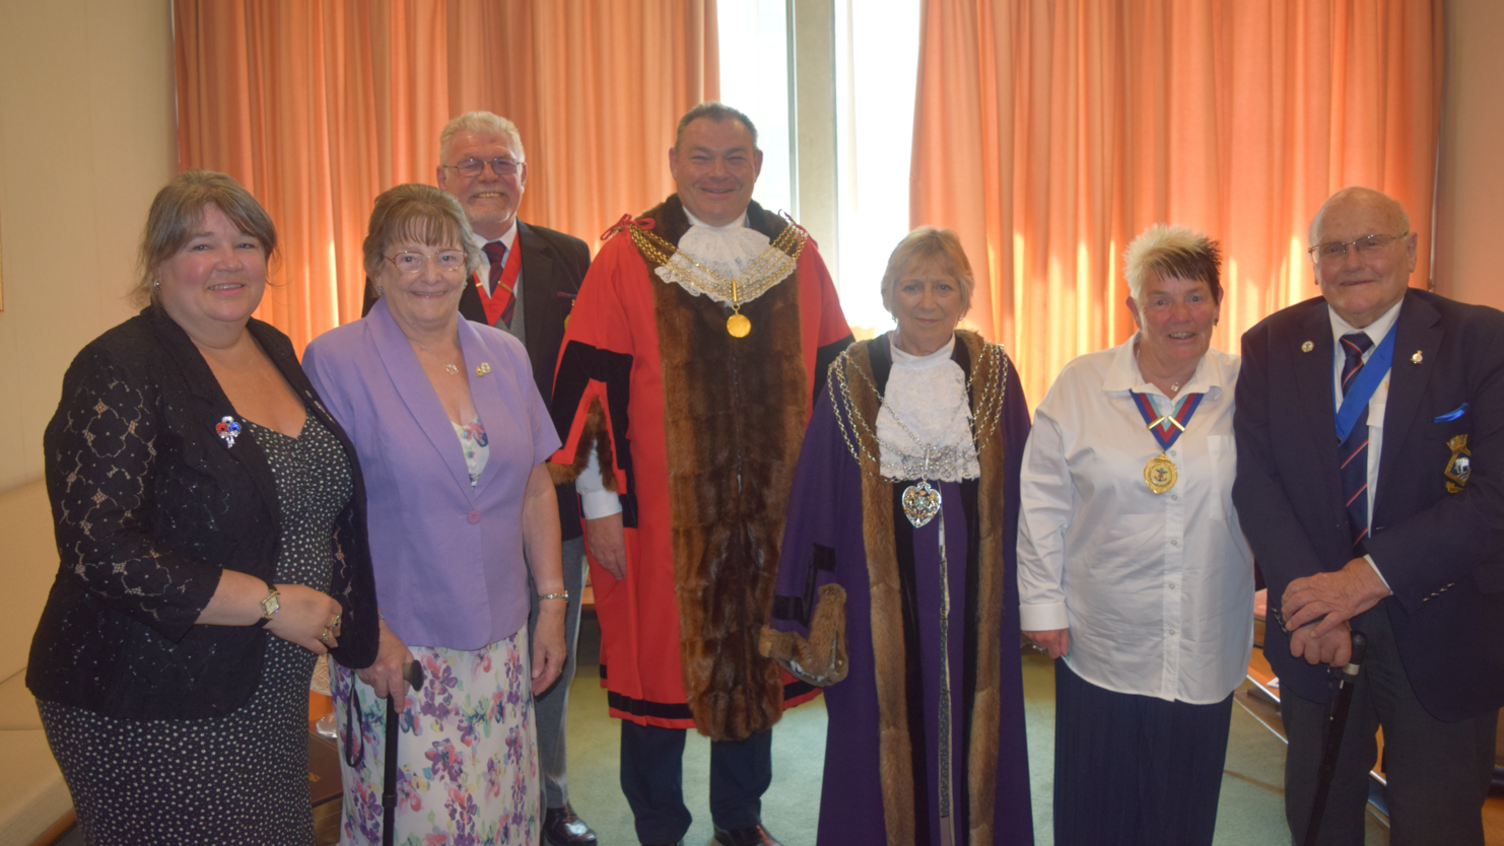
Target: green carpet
(1251, 810)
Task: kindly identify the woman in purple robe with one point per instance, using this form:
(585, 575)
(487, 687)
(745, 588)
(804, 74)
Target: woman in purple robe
(896, 586)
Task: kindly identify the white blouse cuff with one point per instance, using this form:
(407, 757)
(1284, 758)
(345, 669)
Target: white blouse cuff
(1046, 617)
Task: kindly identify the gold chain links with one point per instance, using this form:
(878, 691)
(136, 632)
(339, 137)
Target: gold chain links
(858, 432)
(771, 266)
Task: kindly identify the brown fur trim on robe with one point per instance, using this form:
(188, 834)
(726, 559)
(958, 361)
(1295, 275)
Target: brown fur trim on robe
(594, 432)
(820, 659)
(734, 418)
(895, 749)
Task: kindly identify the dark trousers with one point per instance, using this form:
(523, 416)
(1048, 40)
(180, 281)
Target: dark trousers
(1135, 770)
(1438, 772)
(652, 777)
(553, 705)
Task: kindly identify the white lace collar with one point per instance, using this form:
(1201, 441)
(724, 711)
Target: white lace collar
(925, 409)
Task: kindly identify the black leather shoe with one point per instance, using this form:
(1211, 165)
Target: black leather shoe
(754, 836)
(562, 828)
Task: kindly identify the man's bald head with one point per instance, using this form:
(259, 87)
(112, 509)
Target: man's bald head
(1398, 220)
(1364, 252)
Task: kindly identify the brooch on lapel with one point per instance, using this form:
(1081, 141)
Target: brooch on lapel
(483, 369)
(1307, 346)
(228, 431)
(1417, 358)
(1460, 466)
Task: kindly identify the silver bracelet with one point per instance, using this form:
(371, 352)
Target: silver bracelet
(563, 595)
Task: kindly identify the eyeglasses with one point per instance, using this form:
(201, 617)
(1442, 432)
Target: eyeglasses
(474, 167)
(411, 262)
(1332, 252)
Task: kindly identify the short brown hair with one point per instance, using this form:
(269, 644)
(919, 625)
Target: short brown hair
(1176, 252)
(420, 213)
(923, 244)
(177, 212)
(716, 113)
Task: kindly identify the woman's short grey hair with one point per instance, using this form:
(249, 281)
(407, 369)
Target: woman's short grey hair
(925, 244)
(178, 211)
(484, 122)
(420, 213)
(1165, 252)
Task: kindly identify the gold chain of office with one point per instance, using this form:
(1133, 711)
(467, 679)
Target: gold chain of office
(857, 431)
(770, 267)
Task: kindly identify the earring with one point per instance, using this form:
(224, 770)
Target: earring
(156, 283)
(379, 292)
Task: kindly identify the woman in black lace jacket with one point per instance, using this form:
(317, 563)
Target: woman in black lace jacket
(210, 520)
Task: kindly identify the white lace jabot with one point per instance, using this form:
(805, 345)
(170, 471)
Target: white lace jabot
(929, 394)
(726, 250)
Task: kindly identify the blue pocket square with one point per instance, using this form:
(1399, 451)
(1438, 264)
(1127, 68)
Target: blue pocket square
(1452, 415)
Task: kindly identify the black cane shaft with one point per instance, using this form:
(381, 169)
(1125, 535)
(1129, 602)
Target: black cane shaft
(1336, 726)
(412, 673)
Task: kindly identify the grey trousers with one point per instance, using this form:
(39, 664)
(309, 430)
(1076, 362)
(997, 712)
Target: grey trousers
(552, 707)
(1438, 772)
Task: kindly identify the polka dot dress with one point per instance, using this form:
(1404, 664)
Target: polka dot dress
(237, 779)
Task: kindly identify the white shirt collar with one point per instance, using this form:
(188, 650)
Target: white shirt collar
(1123, 374)
(903, 359)
(735, 224)
(1375, 330)
(507, 239)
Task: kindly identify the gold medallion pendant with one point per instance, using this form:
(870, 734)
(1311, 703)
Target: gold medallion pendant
(1160, 474)
(738, 326)
(920, 503)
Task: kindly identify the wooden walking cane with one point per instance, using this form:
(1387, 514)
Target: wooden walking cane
(1336, 724)
(412, 674)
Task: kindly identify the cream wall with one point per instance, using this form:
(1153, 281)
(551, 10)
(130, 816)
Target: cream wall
(1470, 193)
(86, 139)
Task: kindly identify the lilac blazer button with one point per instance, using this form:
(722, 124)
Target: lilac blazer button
(473, 516)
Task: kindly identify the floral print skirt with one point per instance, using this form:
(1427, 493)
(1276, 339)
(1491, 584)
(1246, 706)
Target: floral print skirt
(467, 752)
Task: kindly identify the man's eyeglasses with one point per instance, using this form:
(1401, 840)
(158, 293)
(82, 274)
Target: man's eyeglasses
(410, 262)
(1332, 252)
(473, 167)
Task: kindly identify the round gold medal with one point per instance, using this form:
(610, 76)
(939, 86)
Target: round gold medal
(1160, 474)
(738, 326)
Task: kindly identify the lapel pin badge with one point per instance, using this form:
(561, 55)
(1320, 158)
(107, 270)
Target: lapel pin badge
(228, 431)
(1417, 358)
(1307, 346)
(483, 369)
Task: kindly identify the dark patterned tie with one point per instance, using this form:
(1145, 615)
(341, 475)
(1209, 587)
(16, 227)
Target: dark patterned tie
(504, 300)
(1354, 450)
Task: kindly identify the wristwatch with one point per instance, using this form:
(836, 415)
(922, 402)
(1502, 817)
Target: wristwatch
(270, 605)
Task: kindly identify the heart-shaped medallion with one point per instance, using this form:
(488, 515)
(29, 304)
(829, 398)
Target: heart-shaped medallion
(921, 503)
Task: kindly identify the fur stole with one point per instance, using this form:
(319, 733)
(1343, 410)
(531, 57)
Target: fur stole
(734, 416)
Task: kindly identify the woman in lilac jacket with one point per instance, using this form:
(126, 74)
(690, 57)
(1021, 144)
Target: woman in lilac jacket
(449, 424)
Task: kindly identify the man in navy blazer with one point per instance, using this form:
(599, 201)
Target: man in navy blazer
(483, 165)
(1395, 529)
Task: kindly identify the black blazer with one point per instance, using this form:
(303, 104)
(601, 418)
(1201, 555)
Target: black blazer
(149, 507)
(553, 266)
(1442, 553)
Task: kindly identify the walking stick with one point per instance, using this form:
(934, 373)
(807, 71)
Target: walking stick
(412, 673)
(1336, 724)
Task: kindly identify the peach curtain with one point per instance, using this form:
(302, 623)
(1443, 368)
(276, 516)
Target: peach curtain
(317, 107)
(1050, 133)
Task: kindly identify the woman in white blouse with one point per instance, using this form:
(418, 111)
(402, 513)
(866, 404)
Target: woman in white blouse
(1132, 569)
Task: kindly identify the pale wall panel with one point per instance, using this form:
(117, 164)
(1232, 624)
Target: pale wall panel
(1470, 191)
(86, 139)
